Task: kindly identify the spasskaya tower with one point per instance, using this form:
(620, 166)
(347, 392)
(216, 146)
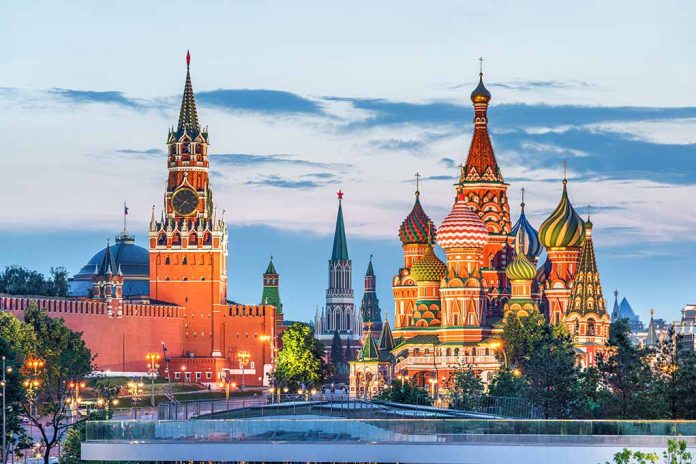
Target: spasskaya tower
(188, 244)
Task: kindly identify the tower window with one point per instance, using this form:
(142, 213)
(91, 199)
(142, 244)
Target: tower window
(184, 261)
(167, 260)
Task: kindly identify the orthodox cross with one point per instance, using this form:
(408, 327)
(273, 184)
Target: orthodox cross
(417, 183)
(481, 65)
(523, 190)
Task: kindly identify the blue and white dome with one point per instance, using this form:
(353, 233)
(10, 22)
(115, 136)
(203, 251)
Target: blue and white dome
(531, 246)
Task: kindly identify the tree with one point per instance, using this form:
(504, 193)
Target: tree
(301, 360)
(405, 393)
(17, 280)
(66, 359)
(15, 340)
(625, 373)
(551, 373)
(337, 359)
(507, 383)
(522, 336)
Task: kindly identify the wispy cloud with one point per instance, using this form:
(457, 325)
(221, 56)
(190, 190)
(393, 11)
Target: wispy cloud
(247, 159)
(286, 183)
(448, 162)
(109, 97)
(398, 144)
(258, 100)
(147, 151)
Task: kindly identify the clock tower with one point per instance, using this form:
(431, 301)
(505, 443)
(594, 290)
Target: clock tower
(188, 244)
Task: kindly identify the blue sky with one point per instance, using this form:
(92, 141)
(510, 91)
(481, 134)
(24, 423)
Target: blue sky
(304, 98)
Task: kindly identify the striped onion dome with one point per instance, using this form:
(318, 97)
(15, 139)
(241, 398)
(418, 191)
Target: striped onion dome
(527, 235)
(564, 228)
(521, 268)
(414, 229)
(462, 228)
(429, 268)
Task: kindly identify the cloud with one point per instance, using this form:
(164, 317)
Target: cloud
(258, 101)
(247, 159)
(285, 183)
(148, 151)
(398, 144)
(110, 97)
(524, 85)
(448, 162)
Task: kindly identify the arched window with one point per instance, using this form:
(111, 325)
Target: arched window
(591, 327)
(167, 260)
(184, 260)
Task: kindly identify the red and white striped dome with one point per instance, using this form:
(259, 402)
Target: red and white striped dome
(462, 228)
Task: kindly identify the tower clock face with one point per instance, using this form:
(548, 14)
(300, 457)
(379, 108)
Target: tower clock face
(185, 201)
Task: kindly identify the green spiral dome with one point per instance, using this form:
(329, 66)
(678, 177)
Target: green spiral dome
(429, 268)
(521, 268)
(564, 228)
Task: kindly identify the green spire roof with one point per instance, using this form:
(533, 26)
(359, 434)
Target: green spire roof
(340, 246)
(369, 351)
(386, 339)
(271, 268)
(188, 115)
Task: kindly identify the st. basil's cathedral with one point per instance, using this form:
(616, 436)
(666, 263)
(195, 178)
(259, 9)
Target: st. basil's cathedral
(450, 314)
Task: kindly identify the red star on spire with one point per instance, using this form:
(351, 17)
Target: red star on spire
(340, 195)
(188, 58)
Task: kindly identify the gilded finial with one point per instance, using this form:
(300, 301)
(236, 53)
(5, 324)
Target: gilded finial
(480, 66)
(565, 172)
(417, 184)
(522, 204)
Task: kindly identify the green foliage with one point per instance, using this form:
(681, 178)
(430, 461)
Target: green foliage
(70, 452)
(626, 373)
(17, 280)
(545, 358)
(406, 393)
(66, 358)
(338, 363)
(507, 384)
(676, 454)
(301, 359)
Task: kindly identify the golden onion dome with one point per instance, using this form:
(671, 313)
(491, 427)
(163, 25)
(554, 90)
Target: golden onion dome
(480, 93)
(564, 228)
(429, 268)
(521, 268)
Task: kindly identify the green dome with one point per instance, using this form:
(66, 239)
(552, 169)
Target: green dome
(521, 268)
(564, 228)
(429, 268)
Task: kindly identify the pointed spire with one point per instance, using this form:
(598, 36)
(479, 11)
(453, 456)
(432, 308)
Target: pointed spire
(586, 294)
(153, 220)
(652, 333)
(481, 164)
(370, 272)
(271, 268)
(369, 351)
(188, 115)
(386, 338)
(340, 245)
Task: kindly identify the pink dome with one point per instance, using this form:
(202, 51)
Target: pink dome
(462, 228)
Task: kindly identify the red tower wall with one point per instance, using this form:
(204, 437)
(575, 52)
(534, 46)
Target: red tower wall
(120, 343)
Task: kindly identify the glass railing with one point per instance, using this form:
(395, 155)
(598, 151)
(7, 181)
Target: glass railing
(381, 430)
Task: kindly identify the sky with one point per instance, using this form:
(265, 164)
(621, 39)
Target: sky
(305, 98)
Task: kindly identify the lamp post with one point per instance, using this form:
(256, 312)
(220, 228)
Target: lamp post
(75, 385)
(433, 382)
(135, 389)
(243, 358)
(31, 385)
(152, 369)
(183, 377)
(5, 370)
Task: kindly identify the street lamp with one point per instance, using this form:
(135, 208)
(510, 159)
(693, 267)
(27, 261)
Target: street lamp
(498, 345)
(243, 358)
(5, 370)
(433, 382)
(152, 369)
(183, 377)
(135, 390)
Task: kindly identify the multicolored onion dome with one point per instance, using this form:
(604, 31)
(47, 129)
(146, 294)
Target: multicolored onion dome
(462, 228)
(414, 229)
(564, 228)
(429, 268)
(521, 268)
(480, 93)
(531, 246)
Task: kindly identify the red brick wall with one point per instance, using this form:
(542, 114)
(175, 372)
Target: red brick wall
(120, 343)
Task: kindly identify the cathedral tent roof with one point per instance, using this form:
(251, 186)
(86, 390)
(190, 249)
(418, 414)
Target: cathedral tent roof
(340, 244)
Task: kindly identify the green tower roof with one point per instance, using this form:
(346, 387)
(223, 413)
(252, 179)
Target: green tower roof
(271, 268)
(369, 351)
(340, 246)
